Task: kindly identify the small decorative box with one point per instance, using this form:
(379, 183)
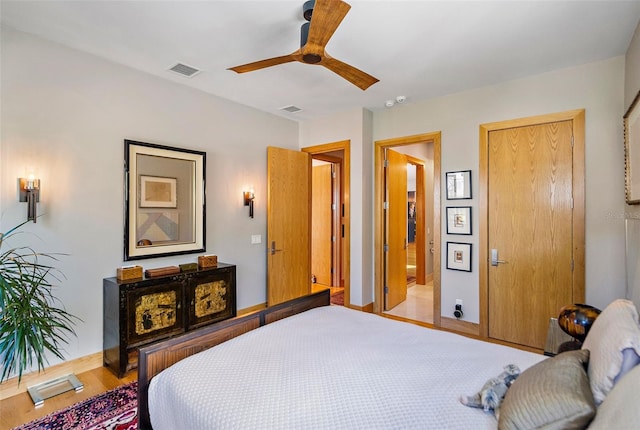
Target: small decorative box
(162, 271)
(188, 267)
(205, 261)
(127, 273)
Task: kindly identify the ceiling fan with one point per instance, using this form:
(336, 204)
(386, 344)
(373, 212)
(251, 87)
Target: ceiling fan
(324, 17)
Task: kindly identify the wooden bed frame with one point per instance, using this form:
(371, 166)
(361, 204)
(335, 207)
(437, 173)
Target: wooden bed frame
(158, 356)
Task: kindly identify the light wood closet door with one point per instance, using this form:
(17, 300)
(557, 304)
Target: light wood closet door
(530, 216)
(321, 223)
(396, 229)
(288, 225)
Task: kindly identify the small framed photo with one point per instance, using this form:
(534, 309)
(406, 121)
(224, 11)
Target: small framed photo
(459, 256)
(459, 185)
(157, 192)
(459, 220)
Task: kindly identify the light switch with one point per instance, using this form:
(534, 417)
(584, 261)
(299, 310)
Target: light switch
(256, 239)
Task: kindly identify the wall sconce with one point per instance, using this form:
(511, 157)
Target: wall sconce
(248, 201)
(30, 193)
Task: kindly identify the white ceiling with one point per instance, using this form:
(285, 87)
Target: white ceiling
(418, 49)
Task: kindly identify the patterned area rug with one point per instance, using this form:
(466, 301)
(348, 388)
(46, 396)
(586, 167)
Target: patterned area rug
(114, 410)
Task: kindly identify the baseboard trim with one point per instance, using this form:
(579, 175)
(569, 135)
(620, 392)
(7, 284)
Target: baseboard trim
(459, 326)
(10, 387)
(365, 308)
(250, 309)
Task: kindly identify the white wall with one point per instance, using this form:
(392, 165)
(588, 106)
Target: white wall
(67, 113)
(632, 70)
(353, 125)
(597, 87)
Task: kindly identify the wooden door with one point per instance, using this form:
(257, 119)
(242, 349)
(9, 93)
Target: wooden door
(321, 224)
(396, 229)
(288, 224)
(530, 224)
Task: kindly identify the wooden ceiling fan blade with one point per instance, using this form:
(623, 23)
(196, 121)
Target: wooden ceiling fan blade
(327, 16)
(257, 65)
(357, 77)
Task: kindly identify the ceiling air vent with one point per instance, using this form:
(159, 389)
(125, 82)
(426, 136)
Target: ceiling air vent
(291, 109)
(184, 70)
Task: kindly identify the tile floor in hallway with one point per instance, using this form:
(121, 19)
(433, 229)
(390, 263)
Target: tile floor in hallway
(419, 304)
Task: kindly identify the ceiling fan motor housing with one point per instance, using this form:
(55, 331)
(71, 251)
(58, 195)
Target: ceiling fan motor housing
(307, 9)
(304, 35)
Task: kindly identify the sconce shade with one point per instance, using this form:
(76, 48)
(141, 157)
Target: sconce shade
(249, 196)
(577, 319)
(30, 192)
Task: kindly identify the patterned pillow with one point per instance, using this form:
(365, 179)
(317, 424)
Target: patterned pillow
(553, 394)
(616, 330)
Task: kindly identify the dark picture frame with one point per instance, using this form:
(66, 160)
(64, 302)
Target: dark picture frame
(459, 220)
(631, 122)
(459, 256)
(459, 185)
(168, 217)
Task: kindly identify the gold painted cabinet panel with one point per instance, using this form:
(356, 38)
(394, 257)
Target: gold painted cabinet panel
(153, 312)
(210, 297)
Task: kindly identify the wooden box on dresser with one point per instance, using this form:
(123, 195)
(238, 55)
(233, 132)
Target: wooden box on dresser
(138, 312)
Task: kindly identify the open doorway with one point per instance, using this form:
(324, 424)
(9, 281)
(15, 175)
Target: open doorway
(330, 219)
(422, 301)
(408, 227)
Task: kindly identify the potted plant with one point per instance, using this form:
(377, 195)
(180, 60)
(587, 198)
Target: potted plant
(31, 323)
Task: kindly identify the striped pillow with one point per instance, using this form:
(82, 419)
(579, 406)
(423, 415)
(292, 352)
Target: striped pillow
(553, 394)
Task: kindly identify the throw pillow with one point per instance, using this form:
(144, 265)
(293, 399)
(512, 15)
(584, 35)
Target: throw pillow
(614, 331)
(553, 394)
(620, 409)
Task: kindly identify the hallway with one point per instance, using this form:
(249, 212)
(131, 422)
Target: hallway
(419, 303)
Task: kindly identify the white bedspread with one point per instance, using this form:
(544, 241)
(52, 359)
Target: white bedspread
(332, 368)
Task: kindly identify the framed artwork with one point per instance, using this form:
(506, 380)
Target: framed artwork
(631, 122)
(459, 256)
(157, 192)
(164, 200)
(459, 185)
(459, 220)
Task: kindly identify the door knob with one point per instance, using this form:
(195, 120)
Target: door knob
(494, 258)
(272, 250)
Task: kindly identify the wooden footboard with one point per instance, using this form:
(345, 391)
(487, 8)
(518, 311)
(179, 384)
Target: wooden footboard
(158, 356)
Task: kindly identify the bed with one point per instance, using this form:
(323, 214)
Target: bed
(307, 365)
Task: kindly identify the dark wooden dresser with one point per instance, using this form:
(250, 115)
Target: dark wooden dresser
(141, 311)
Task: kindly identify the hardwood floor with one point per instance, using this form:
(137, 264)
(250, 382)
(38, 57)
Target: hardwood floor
(319, 287)
(19, 409)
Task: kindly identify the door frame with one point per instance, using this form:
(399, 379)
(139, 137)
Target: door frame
(578, 120)
(317, 151)
(380, 145)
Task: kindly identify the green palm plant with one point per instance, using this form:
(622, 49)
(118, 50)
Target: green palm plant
(30, 321)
